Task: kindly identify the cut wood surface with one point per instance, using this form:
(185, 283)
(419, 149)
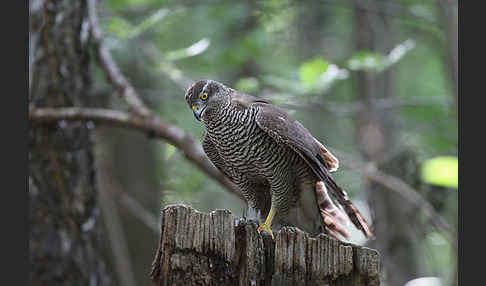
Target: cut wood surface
(218, 248)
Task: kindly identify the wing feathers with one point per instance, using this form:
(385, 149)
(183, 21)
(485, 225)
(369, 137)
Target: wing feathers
(331, 160)
(283, 128)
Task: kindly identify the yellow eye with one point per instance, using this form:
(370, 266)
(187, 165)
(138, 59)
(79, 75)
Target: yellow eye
(204, 96)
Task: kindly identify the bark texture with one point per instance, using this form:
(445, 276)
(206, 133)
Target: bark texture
(219, 249)
(64, 242)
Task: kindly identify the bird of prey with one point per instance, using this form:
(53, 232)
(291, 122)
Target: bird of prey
(282, 171)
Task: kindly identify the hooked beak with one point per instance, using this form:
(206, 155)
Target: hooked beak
(197, 110)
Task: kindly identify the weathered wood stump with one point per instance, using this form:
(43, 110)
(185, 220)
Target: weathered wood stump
(219, 249)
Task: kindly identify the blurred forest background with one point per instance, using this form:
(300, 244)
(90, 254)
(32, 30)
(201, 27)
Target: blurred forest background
(375, 81)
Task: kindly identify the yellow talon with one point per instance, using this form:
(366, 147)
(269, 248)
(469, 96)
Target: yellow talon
(266, 226)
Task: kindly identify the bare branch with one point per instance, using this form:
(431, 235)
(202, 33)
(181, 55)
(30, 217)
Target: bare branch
(144, 120)
(138, 211)
(193, 151)
(398, 186)
(392, 183)
(127, 92)
(152, 125)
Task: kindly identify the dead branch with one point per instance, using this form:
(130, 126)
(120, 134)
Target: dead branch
(127, 92)
(144, 120)
(152, 125)
(392, 183)
(193, 152)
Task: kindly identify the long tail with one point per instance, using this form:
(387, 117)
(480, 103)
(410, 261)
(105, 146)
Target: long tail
(335, 220)
(354, 215)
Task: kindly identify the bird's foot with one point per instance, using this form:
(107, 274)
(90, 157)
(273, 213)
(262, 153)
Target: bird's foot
(265, 227)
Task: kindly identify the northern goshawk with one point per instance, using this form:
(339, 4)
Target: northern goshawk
(282, 171)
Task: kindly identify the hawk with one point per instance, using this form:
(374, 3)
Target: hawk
(282, 171)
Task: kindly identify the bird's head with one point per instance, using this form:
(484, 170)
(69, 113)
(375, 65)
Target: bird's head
(206, 96)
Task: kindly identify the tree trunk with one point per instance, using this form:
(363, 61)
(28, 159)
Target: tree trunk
(64, 242)
(396, 225)
(218, 249)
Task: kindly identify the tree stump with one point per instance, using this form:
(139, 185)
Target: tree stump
(196, 248)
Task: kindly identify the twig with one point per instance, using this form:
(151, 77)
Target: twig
(138, 211)
(126, 90)
(194, 152)
(153, 126)
(145, 119)
(398, 186)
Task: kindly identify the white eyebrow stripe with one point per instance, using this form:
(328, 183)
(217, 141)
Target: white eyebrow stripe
(204, 87)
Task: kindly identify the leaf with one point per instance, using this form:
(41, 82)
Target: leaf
(441, 171)
(169, 151)
(309, 72)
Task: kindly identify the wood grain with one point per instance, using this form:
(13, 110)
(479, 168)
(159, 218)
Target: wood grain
(217, 248)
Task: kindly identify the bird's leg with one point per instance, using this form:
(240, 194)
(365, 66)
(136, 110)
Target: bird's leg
(266, 226)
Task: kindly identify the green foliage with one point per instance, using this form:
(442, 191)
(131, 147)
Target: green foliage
(276, 15)
(441, 171)
(120, 27)
(262, 48)
(123, 4)
(125, 30)
(310, 72)
(431, 120)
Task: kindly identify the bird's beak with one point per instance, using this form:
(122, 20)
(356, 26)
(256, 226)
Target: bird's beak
(197, 110)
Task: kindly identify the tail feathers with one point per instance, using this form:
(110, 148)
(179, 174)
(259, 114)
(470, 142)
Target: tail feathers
(334, 220)
(352, 212)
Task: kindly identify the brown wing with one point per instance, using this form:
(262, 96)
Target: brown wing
(285, 129)
(331, 160)
(245, 100)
